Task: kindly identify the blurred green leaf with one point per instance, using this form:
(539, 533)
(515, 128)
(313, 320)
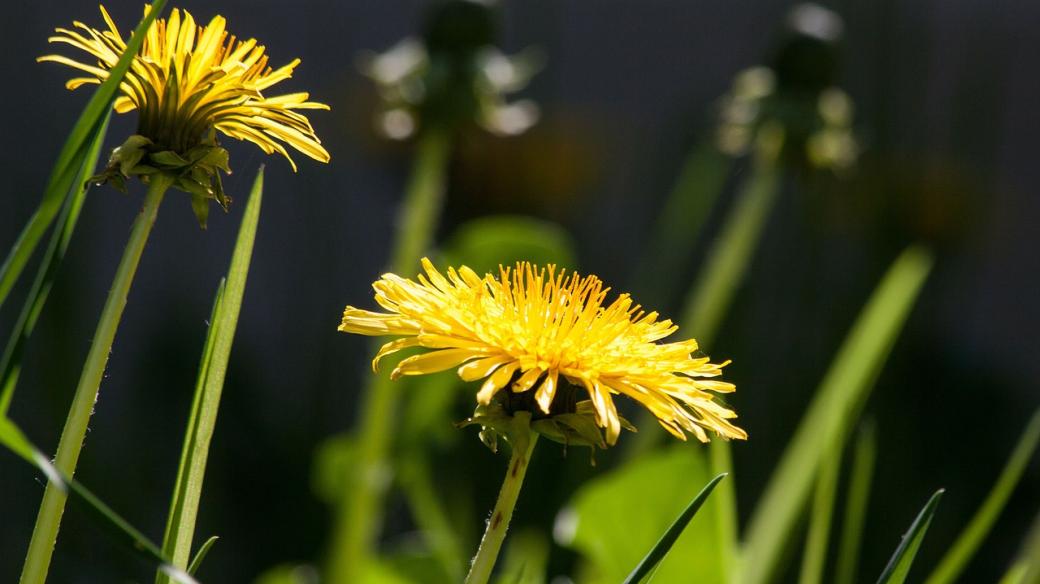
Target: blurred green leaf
(13, 439)
(664, 545)
(814, 557)
(1025, 569)
(10, 363)
(332, 461)
(200, 555)
(485, 243)
(70, 159)
(899, 565)
(526, 559)
(290, 574)
(856, 504)
(831, 414)
(613, 519)
(184, 506)
(967, 544)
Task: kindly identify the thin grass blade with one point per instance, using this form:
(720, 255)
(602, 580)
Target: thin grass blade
(899, 565)
(10, 363)
(953, 563)
(664, 545)
(191, 471)
(831, 414)
(856, 504)
(70, 159)
(200, 555)
(13, 439)
(815, 555)
(1025, 569)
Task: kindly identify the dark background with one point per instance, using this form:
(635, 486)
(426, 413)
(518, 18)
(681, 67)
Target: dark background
(946, 96)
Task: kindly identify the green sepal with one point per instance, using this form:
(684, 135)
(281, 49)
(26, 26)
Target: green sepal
(196, 172)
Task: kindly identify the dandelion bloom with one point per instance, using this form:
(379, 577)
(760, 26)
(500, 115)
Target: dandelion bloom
(188, 80)
(539, 331)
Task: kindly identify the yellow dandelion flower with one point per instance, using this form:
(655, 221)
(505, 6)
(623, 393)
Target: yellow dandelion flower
(189, 79)
(538, 330)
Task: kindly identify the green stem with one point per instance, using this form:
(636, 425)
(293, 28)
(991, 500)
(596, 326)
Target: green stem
(45, 533)
(495, 534)
(360, 510)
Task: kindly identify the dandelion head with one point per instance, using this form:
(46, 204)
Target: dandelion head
(547, 342)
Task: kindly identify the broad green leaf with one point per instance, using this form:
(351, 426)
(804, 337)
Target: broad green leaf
(967, 544)
(856, 504)
(10, 363)
(613, 519)
(191, 471)
(70, 159)
(831, 414)
(816, 542)
(664, 545)
(200, 555)
(899, 565)
(484, 244)
(14, 440)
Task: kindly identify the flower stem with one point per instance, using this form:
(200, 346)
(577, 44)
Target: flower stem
(523, 442)
(45, 533)
(360, 509)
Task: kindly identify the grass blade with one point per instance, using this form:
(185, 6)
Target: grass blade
(899, 565)
(70, 159)
(10, 363)
(962, 551)
(200, 555)
(661, 549)
(1025, 569)
(842, 392)
(184, 506)
(12, 437)
(856, 504)
(814, 558)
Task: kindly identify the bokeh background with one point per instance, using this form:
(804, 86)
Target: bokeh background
(946, 96)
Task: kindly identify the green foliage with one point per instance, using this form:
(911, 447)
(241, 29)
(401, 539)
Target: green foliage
(962, 551)
(899, 565)
(856, 504)
(814, 559)
(614, 518)
(184, 507)
(71, 158)
(12, 437)
(664, 545)
(832, 412)
(10, 363)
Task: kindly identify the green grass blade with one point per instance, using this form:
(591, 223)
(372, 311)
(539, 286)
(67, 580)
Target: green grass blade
(899, 565)
(70, 159)
(856, 504)
(10, 363)
(832, 412)
(200, 555)
(12, 438)
(960, 554)
(1025, 569)
(664, 545)
(191, 472)
(815, 555)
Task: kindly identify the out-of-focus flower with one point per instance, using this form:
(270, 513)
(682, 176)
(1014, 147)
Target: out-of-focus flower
(453, 75)
(189, 82)
(796, 95)
(540, 338)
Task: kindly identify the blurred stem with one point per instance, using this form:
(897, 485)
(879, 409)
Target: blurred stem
(430, 515)
(814, 558)
(856, 504)
(45, 533)
(360, 510)
(680, 223)
(725, 503)
(728, 260)
(522, 441)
